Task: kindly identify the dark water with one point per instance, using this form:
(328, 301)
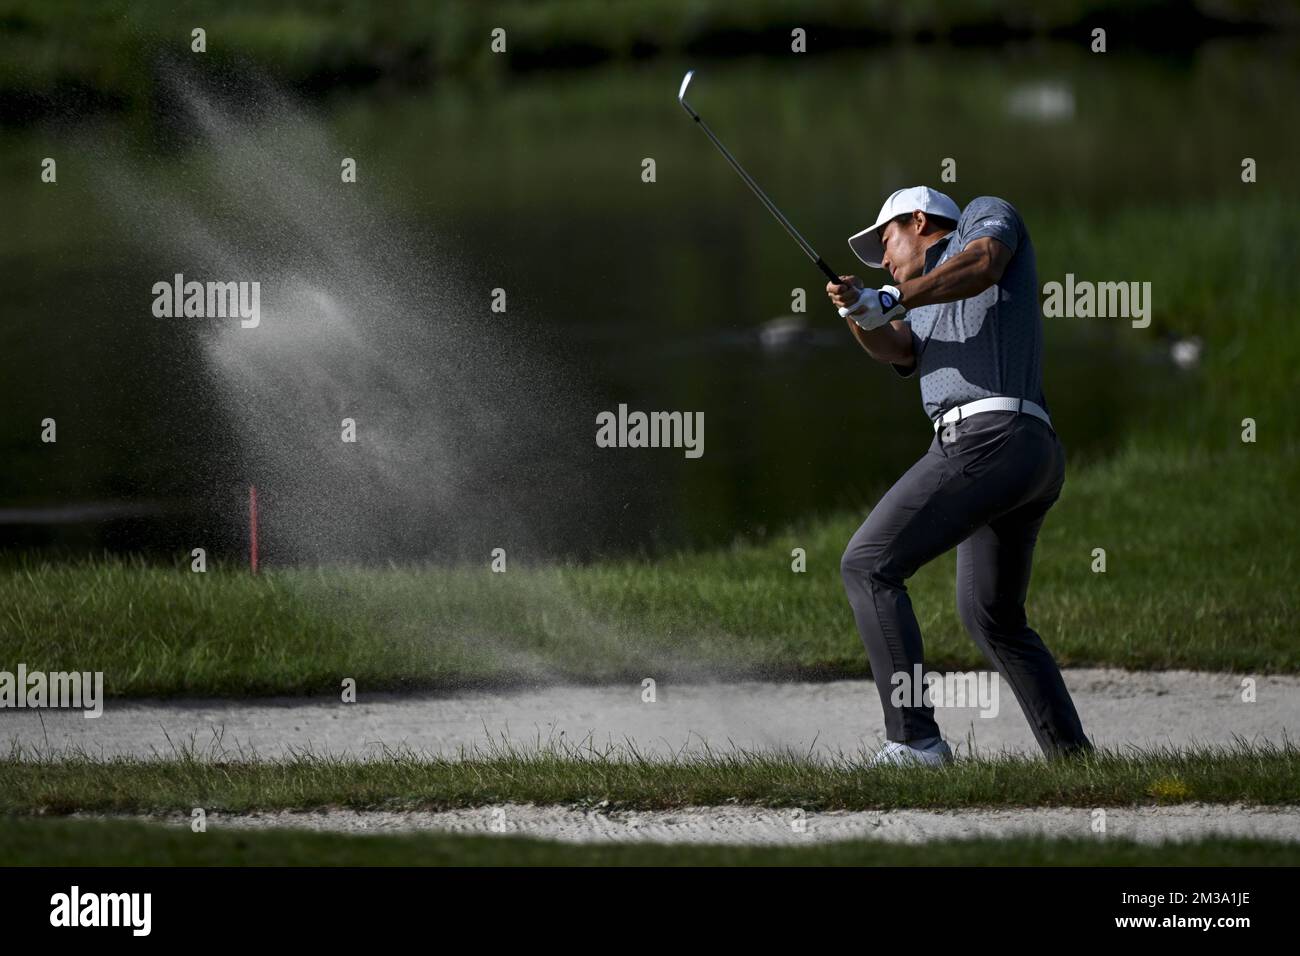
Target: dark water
(619, 291)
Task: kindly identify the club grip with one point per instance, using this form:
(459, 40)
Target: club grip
(828, 272)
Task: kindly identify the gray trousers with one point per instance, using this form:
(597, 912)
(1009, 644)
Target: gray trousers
(985, 492)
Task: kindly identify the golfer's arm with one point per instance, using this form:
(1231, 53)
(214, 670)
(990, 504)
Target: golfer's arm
(968, 273)
(890, 343)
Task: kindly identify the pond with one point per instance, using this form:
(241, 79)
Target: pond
(501, 274)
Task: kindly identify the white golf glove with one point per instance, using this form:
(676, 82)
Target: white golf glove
(875, 307)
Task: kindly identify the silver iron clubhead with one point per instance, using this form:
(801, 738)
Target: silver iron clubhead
(681, 93)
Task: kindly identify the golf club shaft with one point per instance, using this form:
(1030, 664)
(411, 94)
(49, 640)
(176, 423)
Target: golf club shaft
(771, 206)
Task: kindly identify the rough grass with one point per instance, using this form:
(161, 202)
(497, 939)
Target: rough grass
(31, 842)
(619, 779)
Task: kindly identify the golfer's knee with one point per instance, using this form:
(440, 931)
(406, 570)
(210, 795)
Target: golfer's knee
(991, 618)
(968, 609)
(869, 563)
(850, 572)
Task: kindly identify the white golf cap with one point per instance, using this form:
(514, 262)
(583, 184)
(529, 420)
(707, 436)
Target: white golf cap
(866, 244)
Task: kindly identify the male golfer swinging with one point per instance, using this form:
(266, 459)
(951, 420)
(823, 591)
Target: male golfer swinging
(963, 312)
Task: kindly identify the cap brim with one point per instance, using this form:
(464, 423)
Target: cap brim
(866, 246)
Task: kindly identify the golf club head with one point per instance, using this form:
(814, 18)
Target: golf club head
(681, 93)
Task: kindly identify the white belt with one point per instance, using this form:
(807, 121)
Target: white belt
(1023, 405)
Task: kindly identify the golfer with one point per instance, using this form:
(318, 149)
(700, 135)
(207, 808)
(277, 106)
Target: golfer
(962, 315)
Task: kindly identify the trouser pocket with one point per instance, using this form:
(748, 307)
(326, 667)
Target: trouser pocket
(977, 441)
(1015, 461)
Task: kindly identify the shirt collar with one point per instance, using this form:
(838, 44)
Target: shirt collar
(935, 252)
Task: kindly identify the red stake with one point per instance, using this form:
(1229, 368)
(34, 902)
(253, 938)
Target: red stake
(252, 527)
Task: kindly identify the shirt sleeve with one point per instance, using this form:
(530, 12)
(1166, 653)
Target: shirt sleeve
(990, 216)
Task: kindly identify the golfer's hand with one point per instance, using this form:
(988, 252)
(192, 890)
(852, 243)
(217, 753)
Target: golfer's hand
(846, 293)
(871, 308)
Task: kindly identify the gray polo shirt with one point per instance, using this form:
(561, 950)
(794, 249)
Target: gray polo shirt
(989, 344)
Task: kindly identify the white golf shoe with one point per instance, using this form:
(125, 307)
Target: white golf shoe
(901, 755)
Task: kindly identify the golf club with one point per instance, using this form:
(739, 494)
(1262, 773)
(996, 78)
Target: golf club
(827, 271)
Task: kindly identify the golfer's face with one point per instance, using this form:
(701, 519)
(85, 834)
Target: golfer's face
(904, 254)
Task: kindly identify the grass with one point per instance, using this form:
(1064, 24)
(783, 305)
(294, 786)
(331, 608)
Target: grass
(36, 784)
(37, 789)
(30, 842)
(1200, 566)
